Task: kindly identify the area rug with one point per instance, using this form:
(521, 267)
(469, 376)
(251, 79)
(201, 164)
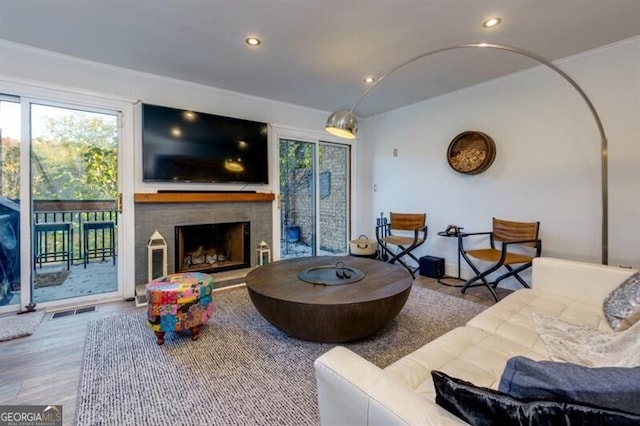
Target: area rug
(14, 326)
(48, 279)
(242, 371)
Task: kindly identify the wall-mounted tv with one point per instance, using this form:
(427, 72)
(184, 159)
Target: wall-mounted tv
(187, 146)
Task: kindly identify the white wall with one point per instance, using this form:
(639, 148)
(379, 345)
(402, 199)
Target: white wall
(547, 166)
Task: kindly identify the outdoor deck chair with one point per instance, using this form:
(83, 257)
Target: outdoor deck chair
(519, 244)
(400, 236)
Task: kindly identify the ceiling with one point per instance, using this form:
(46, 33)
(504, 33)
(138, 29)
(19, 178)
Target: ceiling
(315, 53)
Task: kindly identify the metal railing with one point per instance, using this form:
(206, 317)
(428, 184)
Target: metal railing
(74, 213)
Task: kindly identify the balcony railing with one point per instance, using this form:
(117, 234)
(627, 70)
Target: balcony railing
(75, 214)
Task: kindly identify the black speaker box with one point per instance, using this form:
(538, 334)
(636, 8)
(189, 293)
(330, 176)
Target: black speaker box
(432, 267)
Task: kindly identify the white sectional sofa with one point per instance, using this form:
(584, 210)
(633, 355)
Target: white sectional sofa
(352, 391)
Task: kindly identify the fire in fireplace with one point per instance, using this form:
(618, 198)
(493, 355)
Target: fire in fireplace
(212, 247)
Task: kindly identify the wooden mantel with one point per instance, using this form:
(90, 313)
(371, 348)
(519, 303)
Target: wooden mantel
(203, 197)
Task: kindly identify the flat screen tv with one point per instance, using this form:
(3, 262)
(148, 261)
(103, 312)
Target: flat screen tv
(188, 146)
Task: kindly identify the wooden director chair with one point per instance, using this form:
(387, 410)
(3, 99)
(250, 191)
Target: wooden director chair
(401, 235)
(524, 235)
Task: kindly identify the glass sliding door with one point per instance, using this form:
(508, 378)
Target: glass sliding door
(74, 187)
(333, 186)
(58, 211)
(314, 198)
(297, 198)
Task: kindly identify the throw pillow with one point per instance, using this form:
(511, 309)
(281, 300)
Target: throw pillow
(483, 407)
(617, 388)
(622, 306)
(589, 346)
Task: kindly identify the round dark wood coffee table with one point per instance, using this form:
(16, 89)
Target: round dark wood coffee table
(329, 313)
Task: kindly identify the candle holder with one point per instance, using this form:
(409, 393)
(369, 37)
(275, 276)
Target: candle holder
(264, 253)
(156, 256)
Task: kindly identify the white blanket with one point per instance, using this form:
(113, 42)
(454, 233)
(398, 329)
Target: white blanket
(590, 347)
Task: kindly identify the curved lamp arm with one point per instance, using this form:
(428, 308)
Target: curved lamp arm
(345, 124)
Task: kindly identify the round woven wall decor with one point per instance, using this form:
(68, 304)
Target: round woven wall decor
(471, 152)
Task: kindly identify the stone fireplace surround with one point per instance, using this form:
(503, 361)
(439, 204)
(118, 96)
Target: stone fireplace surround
(163, 212)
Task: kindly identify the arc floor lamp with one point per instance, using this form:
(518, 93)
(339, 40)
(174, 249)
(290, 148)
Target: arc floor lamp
(344, 123)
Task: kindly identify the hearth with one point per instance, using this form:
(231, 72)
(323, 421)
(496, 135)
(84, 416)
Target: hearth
(212, 247)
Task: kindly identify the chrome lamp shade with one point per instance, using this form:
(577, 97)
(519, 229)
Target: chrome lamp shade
(343, 124)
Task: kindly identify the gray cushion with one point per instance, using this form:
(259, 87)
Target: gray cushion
(622, 306)
(617, 388)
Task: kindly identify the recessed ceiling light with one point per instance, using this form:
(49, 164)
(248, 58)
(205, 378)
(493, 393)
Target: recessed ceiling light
(369, 80)
(253, 41)
(492, 22)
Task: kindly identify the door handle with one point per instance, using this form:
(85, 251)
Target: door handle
(119, 203)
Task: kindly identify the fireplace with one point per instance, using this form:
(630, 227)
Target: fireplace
(163, 212)
(213, 247)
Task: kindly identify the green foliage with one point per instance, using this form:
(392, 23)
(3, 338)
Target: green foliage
(78, 159)
(101, 172)
(296, 164)
(82, 130)
(10, 169)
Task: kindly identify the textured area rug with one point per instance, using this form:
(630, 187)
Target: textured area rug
(14, 326)
(242, 371)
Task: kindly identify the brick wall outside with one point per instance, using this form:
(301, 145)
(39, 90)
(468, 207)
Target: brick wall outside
(333, 202)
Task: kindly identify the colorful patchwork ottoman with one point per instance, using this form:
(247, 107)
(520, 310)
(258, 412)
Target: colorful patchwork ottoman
(179, 302)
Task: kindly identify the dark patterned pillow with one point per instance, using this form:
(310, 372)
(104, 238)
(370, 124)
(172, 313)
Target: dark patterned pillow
(483, 407)
(622, 306)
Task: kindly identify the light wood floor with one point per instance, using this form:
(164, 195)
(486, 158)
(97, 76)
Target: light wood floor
(476, 294)
(44, 368)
